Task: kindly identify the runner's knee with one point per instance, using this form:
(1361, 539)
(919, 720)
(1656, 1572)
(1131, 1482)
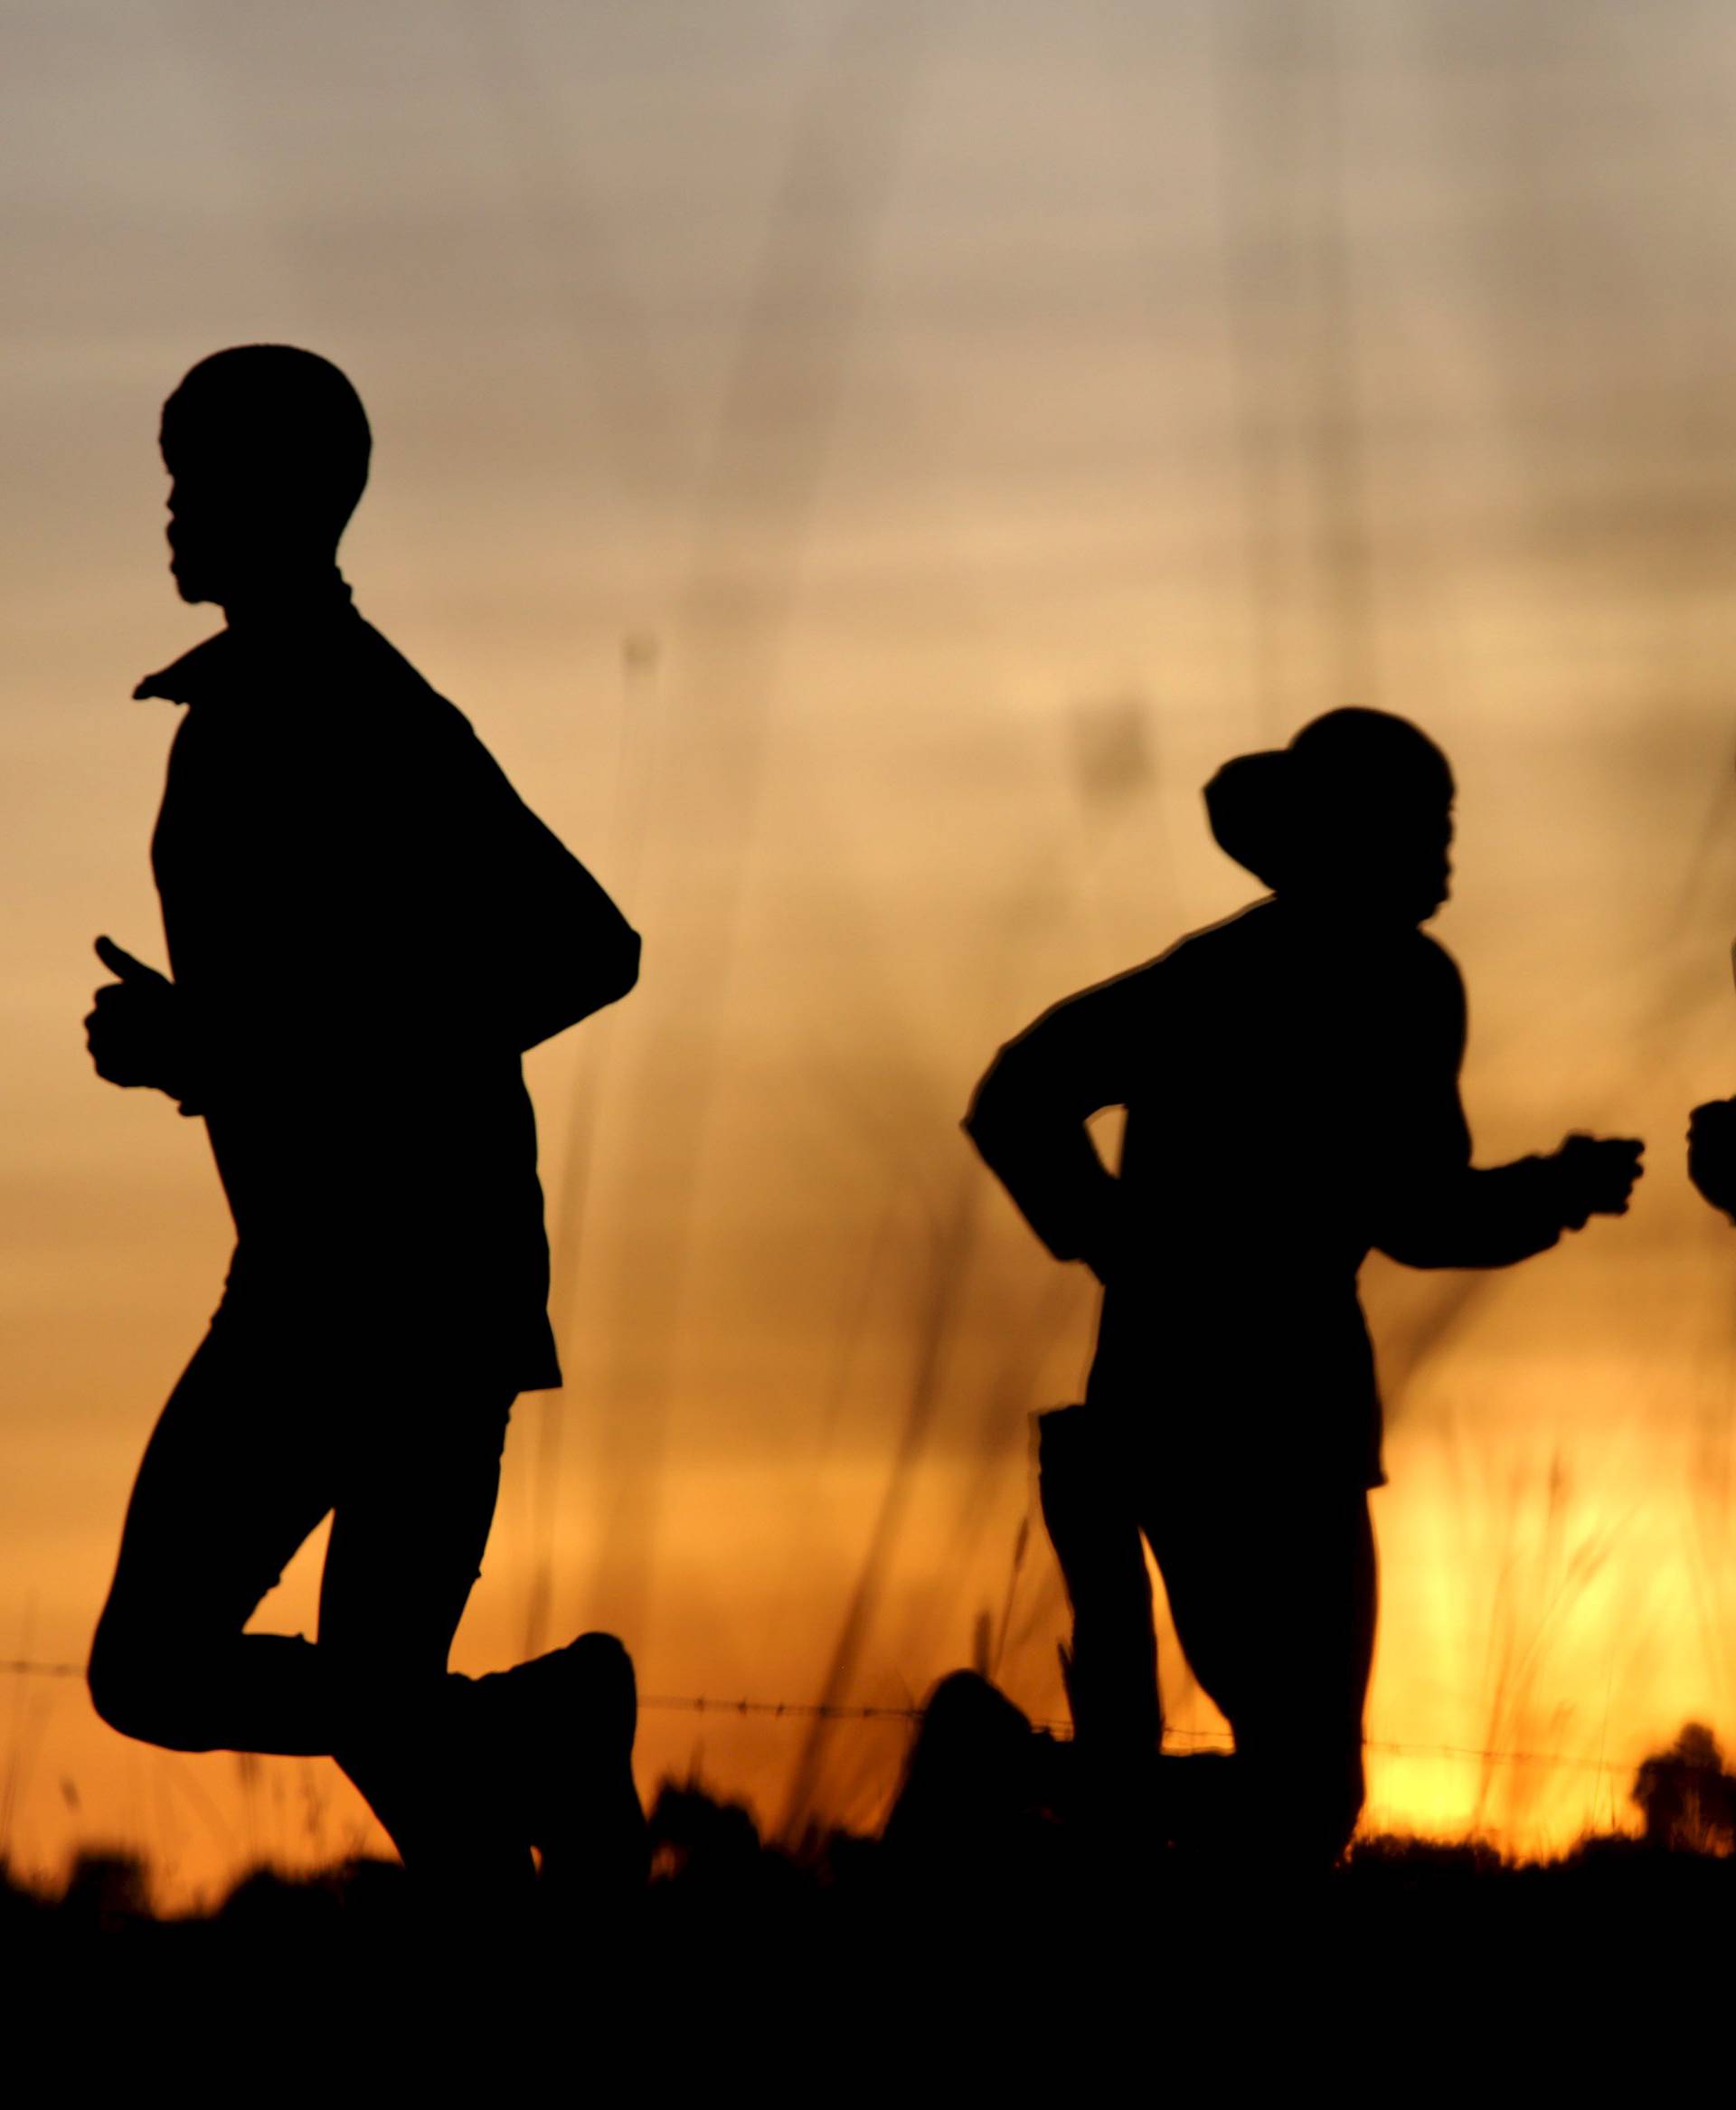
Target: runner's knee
(136, 1685)
(112, 1674)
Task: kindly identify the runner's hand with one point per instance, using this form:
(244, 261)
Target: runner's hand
(1599, 1176)
(133, 1032)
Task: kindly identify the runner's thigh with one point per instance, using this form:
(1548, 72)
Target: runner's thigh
(409, 1528)
(232, 1481)
(1274, 1605)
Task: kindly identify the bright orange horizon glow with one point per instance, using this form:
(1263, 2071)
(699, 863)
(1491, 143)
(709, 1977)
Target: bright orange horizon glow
(861, 468)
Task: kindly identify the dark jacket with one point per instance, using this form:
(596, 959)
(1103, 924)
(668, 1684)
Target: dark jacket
(1292, 1103)
(368, 927)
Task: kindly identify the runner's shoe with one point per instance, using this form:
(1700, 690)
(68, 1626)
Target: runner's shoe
(577, 1710)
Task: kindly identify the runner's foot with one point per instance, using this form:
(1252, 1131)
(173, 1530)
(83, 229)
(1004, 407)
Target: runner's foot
(580, 1712)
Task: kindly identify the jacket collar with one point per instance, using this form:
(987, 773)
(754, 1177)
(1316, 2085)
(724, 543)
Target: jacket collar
(194, 675)
(247, 654)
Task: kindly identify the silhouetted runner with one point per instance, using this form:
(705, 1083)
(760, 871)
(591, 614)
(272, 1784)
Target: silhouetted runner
(1291, 1085)
(366, 929)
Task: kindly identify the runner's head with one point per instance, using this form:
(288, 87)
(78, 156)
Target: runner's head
(1355, 814)
(267, 450)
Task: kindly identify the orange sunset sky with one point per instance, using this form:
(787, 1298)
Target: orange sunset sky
(861, 467)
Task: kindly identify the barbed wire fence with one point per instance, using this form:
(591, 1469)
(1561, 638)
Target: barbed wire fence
(1176, 1740)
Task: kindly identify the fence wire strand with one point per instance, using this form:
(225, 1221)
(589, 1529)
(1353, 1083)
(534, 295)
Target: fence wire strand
(799, 1710)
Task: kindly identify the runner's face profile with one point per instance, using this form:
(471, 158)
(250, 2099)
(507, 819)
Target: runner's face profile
(244, 511)
(206, 525)
(1390, 862)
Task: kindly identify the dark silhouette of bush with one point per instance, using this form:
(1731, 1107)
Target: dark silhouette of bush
(107, 1893)
(1685, 1796)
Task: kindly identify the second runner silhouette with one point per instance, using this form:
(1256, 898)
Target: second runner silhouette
(1291, 1085)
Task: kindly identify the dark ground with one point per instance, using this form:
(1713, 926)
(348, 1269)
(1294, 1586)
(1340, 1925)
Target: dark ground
(742, 1951)
(982, 1939)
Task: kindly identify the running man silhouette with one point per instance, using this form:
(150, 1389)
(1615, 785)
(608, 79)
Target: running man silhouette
(366, 928)
(1290, 1078)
